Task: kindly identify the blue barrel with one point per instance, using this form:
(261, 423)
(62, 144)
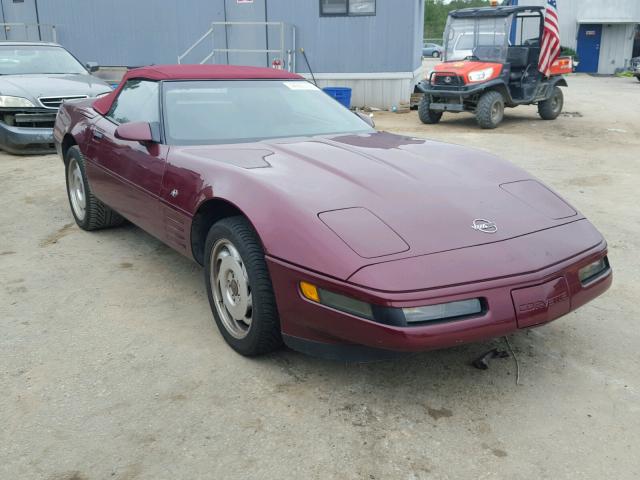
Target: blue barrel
(341, 94)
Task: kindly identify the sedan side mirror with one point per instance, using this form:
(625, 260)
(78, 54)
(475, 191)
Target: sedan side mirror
(92, 66)
(135, 132)
(367, 118)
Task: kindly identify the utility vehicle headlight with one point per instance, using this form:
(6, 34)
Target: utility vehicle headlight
(443, 311)
(480, 75)
(593, 270)
(7, 101)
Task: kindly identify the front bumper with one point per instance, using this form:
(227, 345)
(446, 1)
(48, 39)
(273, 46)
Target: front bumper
(456, 91)
(514, 302)
(26, 140)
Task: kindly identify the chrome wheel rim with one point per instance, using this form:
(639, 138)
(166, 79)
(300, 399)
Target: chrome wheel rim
(231, 289)
(77, 193)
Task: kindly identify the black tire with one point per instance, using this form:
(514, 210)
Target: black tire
(425, 113)
(435, 54)
(490, 109)
(97, 215)
(550, 108)
(263, 335)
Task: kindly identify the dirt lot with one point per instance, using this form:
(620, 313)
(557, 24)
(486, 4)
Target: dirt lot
(110, 367)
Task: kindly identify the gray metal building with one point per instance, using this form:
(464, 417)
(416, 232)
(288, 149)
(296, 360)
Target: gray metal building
(373, 46)
(602, 32)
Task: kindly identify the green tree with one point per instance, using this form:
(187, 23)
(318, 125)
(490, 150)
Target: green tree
(436, 11)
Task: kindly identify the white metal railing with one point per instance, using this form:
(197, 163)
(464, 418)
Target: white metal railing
(38, 29)
(289, 63)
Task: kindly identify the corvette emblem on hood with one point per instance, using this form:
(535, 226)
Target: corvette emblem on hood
(485, 226)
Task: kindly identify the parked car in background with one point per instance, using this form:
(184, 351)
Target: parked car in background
(635, 67)
(35, 78)
(431, 50)
(317, 230)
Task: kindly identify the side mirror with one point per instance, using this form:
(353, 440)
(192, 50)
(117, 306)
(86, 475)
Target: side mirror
(92, 66)
(367, 118)
(135, 132)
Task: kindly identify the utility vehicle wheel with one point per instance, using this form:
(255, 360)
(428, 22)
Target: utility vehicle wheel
(88, 212)
(239, 288)
(435, 54)
(550, 109)
(425, 113)
(490, 109)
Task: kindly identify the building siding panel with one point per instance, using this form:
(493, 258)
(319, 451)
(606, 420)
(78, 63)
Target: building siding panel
(385, 42)
(616, 47)
(131, 33)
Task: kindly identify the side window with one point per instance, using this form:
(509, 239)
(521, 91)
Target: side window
(347, 7)
(138, 101)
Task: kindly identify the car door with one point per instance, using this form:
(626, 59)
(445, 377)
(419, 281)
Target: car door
(128, 174)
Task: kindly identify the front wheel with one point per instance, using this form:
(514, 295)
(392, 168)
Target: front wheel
(239, 288)
(435, 54)
(490, 109)
(88, 212)
(425, 113)
(550, 108)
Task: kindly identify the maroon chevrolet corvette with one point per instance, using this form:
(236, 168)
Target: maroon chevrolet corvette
(316, 230)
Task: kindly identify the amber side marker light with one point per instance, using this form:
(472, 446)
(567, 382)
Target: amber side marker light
(310, 291)
(335, 300)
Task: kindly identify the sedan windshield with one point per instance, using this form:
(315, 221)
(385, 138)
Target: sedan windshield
(214, 111)
(30, 59)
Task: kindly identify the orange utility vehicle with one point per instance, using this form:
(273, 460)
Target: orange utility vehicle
(491, 62)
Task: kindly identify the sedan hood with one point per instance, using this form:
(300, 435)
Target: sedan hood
(430, 196)
(52, 85)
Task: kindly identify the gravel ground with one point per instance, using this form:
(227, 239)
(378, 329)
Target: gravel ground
(110, 367)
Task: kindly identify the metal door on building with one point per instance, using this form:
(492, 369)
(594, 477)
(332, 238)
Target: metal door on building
(20, 19)
(589, 37)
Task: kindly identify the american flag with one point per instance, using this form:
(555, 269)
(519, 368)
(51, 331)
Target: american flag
(550, 46)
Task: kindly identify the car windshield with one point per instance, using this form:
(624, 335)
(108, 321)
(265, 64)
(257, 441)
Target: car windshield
(477, 38)
(215, 111)
(30, 59)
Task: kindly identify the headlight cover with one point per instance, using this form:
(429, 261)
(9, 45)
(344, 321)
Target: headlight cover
(7, 101)
(337, 301)
(480, 75)
(443, 311)
(401, 317)
(593, 270)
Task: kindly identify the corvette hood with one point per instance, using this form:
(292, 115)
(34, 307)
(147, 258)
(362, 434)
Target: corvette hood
(337, 204)
(428, 193)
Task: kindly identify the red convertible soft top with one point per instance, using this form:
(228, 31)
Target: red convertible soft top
(192, 72)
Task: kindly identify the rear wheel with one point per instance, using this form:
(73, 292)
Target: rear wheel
(490, 109)
(88, 212)
(425, 113)
(239, 288)
(435, 54)
(550, 108)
